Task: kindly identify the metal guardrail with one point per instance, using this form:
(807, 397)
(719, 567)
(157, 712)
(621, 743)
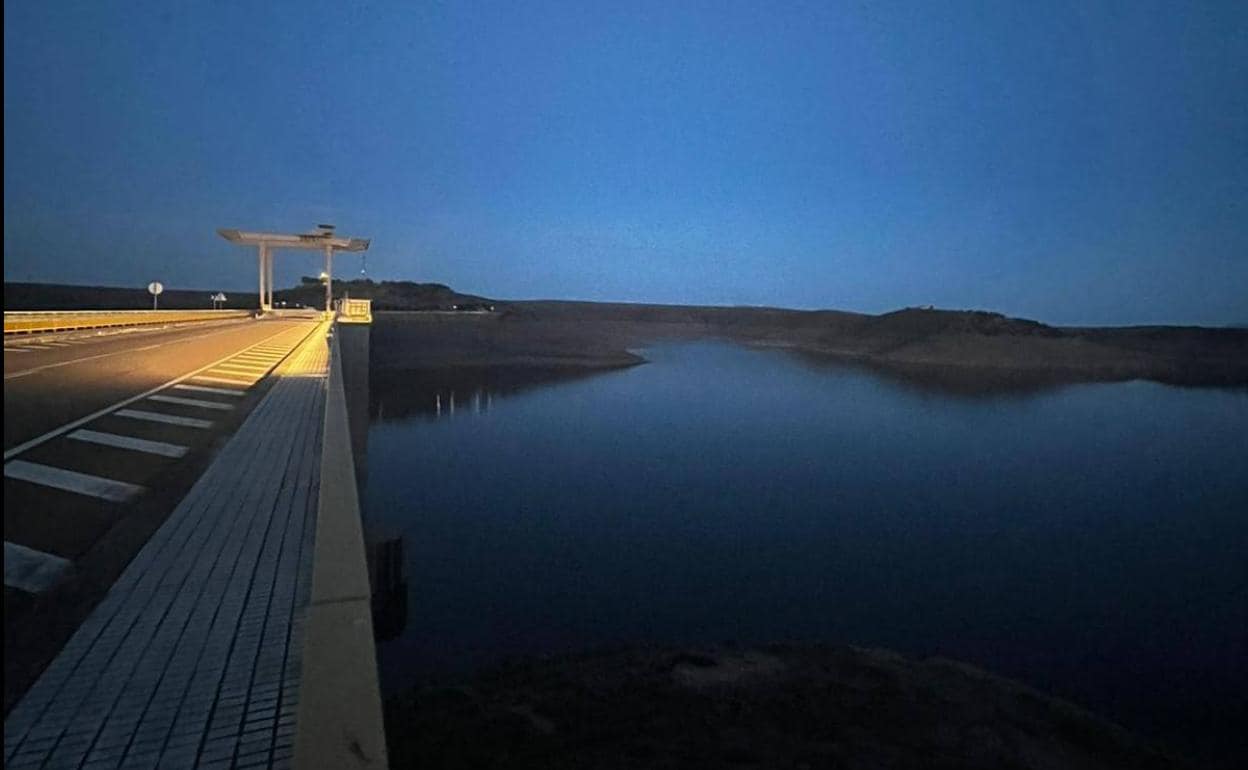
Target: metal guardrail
(340, 723)
(30, 322)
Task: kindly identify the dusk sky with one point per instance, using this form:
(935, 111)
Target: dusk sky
(1077, 162)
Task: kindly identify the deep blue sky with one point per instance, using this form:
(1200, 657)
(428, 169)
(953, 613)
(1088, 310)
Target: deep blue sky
(1075, 162)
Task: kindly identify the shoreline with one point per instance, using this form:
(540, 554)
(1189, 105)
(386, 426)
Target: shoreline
(427, 325)
(957, 347)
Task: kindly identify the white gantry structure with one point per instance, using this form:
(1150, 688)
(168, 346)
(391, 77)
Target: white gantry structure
(323, 240)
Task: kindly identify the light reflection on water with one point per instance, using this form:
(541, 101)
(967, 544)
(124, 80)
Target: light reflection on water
(1088, 539)
(443, 393)
(477, 404)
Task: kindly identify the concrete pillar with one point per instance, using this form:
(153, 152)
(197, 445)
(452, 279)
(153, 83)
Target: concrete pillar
(268, 280)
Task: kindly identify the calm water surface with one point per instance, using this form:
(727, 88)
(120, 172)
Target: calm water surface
(1090, 540)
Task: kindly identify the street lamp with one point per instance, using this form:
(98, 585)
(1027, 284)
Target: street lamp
(325, 280)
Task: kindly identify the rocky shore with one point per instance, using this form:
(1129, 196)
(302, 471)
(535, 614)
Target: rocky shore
(780, 706)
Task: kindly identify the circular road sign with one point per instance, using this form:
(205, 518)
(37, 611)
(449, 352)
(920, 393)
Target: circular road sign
(155, 287)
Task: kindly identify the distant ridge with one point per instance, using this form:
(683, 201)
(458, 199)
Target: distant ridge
(386, 295)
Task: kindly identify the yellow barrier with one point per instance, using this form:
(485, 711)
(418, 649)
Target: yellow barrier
(29, 322)
(355, 311)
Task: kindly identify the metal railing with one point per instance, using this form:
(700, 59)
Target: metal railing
(30, 322)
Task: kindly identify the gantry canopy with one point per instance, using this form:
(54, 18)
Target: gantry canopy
(312, 241)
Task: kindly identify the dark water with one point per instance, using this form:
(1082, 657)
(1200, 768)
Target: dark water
(1090, 540)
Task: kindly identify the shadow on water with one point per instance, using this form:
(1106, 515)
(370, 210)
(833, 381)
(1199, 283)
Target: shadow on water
(962, 382)
(980, 382)
(433, 394)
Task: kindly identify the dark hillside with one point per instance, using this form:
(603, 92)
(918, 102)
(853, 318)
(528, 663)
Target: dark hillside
(53, 296)
(386, 295)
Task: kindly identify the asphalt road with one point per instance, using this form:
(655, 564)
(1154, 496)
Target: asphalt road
(51, 381)
(103, 435)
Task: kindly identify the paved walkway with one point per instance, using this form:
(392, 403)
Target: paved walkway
(193, 658)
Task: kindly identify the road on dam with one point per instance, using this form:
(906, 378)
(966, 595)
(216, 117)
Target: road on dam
(104, 433)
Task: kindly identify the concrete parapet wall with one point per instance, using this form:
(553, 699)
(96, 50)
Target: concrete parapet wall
(340, 717)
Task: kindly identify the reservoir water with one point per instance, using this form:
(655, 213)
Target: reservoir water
(1090, 540)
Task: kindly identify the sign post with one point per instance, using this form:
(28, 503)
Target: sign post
(155, 288)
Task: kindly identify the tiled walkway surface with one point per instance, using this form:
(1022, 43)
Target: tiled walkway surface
(193, 657)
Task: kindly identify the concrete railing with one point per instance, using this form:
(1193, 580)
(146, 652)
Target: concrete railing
(28, 322)
(340, 722)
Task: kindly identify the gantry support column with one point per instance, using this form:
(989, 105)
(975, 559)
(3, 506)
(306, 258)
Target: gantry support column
(268, 280)
(263, 259)
(329, 278)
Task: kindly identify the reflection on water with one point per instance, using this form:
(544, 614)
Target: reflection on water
(478, 404)
(969, 382)
(1087, 539)
(446, 392)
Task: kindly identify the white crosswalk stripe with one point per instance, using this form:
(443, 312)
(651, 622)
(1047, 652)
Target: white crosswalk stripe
(245, 367)
(162, 448)
(168, 419)
(30, 570)
(228, 380)
(196, 402)
(208, 389)
(71, 481)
